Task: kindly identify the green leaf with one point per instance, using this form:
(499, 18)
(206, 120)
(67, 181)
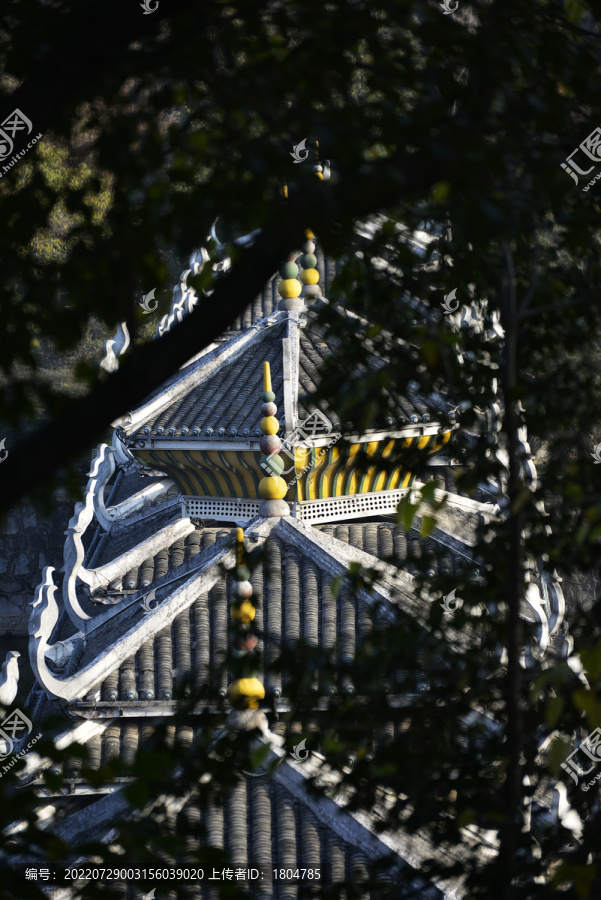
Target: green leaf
(406, 513)
(138, 794)
(258, 756)
(441, 191)
(574, 11)
(427, 526)
(558, 753)
(428, 492)
(466, 818)
(431, 353)
(587, 701)
(554, 710)
(591, 660)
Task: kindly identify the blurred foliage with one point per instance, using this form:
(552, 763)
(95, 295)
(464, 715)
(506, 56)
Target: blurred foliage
(195, 120)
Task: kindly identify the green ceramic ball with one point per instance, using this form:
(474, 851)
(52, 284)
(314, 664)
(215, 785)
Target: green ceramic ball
(274, 464)
(289, 270)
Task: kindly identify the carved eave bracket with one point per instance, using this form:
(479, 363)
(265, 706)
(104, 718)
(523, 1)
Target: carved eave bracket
(185, 297)
(103, 466)
(43, 618)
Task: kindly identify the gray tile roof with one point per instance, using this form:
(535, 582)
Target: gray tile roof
(231, 398)
(264, 823)
(227, 405)
(294, 600)
(122, 538)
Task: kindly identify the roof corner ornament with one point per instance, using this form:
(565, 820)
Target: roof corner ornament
(9, 678)
(272, 487)
(310, 275)
(105, 469)
(184, 297)
(115, 347)
(103, 466)
(290, 287)
(42, 621)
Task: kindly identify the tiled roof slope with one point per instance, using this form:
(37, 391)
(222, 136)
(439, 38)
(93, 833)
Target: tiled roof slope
(314, 349)
(231, 398)
(267, 821)
(227, 405)
(294, 601)
(122, 538)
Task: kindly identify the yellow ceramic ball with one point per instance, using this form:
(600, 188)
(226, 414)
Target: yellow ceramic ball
(249, 689)
(270, 425)
(243, 612)
(289, 287)
(273, 488)
(309, 276)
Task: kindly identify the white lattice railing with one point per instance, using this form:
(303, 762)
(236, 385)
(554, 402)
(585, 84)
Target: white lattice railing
(328, 509)
(222, 510)
(355, 506)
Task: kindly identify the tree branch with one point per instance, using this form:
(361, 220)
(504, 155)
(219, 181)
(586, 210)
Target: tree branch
(57, 79)
(513, 812)
(148, 366)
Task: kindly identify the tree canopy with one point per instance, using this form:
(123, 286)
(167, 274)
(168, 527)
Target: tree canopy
(154, 126)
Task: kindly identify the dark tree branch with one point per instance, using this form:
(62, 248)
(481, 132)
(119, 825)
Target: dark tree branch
(147, 367)
(513, 809)
(57, 79)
